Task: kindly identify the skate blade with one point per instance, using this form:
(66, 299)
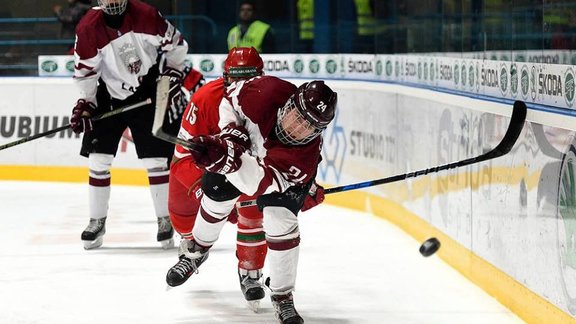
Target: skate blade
(167, 244)
(88, 245)
(254, 305)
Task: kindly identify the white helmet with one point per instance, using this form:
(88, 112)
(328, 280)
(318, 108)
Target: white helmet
(113, 7)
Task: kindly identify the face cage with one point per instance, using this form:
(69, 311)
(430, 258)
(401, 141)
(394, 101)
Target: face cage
(284, 136)
(113, 7)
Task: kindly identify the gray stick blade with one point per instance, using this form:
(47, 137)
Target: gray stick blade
(162, 91)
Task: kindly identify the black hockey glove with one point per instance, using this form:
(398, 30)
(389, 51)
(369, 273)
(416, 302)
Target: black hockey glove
(176, 99)
(292, 199)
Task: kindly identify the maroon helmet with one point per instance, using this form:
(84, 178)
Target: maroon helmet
(243, 62)
(306, 114)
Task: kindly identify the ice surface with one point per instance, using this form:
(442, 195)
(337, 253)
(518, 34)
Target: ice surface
(354, 268)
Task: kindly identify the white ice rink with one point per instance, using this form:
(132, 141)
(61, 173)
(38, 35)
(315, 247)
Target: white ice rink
(354, 268)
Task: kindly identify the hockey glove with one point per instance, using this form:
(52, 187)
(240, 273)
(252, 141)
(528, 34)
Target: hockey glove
(292, 199)
(314, 198)
(237, 134)
(81, 113)
(216, 155)
(176, 98)
(192, 81)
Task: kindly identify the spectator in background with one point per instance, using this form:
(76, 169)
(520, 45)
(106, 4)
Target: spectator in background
(250, 32)
(366, 26)
(305, 13)
(69, 17)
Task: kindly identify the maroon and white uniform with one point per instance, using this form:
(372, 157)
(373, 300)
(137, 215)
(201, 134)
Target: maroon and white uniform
(254, 103)
(123, 56)
(117, 64)
(270, 167)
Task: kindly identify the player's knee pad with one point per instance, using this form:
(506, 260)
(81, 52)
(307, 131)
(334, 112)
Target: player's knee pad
(280, 224)
(218, 188)
(155, 164)
(100, 163)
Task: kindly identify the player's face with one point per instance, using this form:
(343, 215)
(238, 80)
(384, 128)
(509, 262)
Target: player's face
(294, 124)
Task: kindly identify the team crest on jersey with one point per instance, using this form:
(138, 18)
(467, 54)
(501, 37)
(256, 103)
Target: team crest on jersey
(130, 58)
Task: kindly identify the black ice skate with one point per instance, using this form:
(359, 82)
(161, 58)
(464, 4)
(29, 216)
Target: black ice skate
(92, 235)
(191, 257)
(285, 311)
(251, 287)
(165, 233)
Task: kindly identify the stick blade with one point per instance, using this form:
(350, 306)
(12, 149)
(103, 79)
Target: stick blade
(514, 128)
(162, 90)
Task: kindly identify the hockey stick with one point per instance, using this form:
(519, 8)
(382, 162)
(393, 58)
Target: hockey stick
(162, 92)
(514, 129)
(61, 128)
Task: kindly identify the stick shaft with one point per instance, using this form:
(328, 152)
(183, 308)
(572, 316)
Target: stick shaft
(514, 129)
(65, 127)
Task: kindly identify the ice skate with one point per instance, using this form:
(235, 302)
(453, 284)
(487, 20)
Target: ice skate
(251, 287)
(93, 234)
(191, 257)
(165, 233)
(285, 311)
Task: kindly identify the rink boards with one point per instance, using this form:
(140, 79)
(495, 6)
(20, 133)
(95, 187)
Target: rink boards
(507, 224)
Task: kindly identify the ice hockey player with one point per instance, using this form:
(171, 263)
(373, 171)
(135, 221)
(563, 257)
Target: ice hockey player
(271, 150)
(185, 192)
(121, 48)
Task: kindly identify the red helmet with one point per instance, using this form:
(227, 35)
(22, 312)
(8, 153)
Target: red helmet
(243, 62)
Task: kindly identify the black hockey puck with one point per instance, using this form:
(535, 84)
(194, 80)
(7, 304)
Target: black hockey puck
(429, 247)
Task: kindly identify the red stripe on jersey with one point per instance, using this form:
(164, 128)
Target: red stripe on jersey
(210, 219)
(284, 245)
(158, 180)
(83, 66)
(99, 182)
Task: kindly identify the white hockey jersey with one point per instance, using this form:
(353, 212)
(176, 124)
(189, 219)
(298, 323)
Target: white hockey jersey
(122, 57)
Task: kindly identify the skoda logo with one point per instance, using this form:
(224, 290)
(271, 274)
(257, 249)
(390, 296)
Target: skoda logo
(419, 70)
(49, 66)
(396, 68)
(425, 70)
(331, 66)
(188, 63)
(432, 74)
(70, 66)
(471, 77)
(207, 65)
(524, 81)
(298, 66)
(314, 66)
(456, 74)
(514, 80)
(388, 68)
(463, 78)
(569, 87)
(503, 80)
(379, 67)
